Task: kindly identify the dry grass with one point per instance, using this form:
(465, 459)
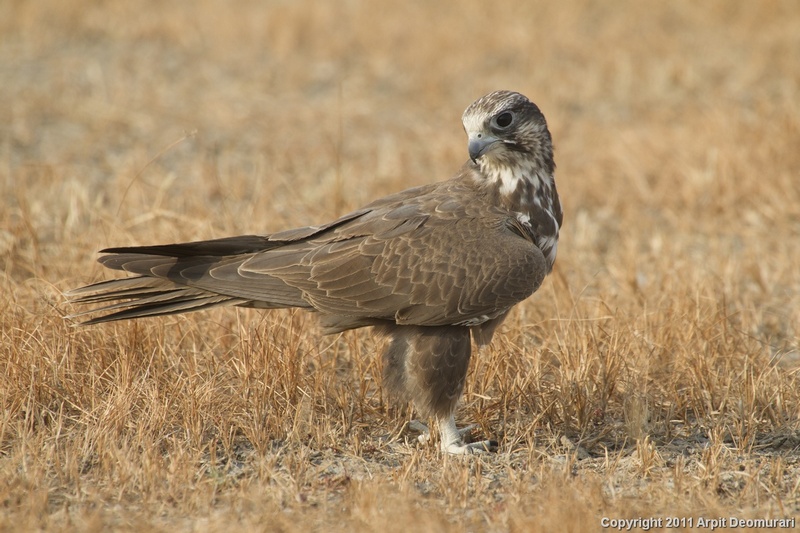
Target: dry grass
(655, 374)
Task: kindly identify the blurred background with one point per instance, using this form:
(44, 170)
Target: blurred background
(676, 293)
(675, 125)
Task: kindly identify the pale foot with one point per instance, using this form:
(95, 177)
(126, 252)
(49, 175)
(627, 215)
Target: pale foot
(452, 438)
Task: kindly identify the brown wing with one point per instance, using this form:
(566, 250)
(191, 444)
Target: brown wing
(433, 255)
(432, 262)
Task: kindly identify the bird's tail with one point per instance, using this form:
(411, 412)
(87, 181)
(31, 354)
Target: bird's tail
(179, 278)
(144, 296)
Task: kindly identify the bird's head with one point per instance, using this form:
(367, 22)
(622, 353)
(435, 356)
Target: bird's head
(506, 130)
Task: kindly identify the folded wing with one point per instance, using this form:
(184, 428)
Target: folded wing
(429, 256)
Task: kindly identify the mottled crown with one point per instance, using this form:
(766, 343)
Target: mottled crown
(527, 136)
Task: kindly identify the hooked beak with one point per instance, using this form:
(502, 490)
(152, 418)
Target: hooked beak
(479, 144)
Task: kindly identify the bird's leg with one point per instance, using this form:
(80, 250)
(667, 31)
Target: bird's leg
(429, 366)
(421, 428)
(452, 439)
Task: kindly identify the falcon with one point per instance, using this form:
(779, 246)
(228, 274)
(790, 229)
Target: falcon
(431, 267)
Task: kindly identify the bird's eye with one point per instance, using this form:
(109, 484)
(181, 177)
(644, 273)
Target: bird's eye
(504, 120)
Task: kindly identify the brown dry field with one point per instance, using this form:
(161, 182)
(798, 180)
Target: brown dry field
(655, 374)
